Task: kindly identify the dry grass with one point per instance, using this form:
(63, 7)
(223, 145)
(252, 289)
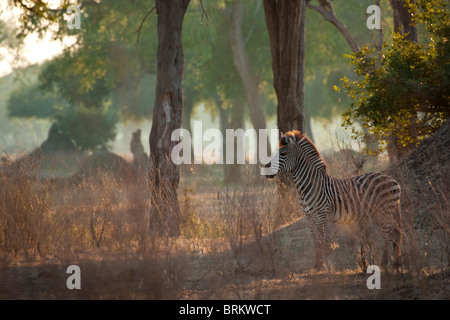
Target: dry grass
(236, 242)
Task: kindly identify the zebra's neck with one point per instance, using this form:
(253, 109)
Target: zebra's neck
(309, 179)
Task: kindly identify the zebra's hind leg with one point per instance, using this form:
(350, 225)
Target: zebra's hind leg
(386, 244)
(365, 253)
(392, 238)
(320, 258)
(392, 234)
(397, 236)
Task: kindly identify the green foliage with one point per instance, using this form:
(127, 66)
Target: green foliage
(405, 91)
(211, 76)
(103, 74)
(325, 54)
(89, 128)
(29, 101)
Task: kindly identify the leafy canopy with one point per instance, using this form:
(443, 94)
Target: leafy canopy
(404, 92)
(92, 80)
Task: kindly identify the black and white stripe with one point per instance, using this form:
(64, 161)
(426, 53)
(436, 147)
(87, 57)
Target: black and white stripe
(327, 199)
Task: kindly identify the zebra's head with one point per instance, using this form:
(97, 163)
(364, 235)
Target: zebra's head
(288, 149)
(294, 150)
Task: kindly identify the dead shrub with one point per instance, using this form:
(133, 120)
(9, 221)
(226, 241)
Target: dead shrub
(25, 212)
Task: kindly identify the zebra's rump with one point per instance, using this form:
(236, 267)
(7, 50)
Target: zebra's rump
(379, 186)
(368, 194)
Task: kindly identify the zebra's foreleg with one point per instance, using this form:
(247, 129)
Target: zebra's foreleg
(322, 239)
(314, 233)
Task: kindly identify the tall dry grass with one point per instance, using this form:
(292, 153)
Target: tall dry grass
(99, 215)
(233, 238)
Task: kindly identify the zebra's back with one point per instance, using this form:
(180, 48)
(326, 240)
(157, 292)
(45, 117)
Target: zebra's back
(354, 199)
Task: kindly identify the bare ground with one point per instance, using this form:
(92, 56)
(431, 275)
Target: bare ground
(213, 271)
(275, 265)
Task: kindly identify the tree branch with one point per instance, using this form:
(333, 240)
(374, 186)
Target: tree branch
(203, 12)
(140, 26)
(325, 8)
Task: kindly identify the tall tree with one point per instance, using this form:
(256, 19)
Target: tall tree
(285, 21)
(100, 77)
(415, 103)
(167, 111)
(326, 9)
(403, 19)
(403, 25)
(238, 87)
(234, 17)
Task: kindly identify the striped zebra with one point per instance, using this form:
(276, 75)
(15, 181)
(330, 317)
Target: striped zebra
(327, 199)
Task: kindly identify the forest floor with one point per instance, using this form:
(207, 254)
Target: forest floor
(235, 265)
(237, 241)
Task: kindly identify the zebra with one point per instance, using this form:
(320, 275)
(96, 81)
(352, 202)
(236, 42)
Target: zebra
(325, 199)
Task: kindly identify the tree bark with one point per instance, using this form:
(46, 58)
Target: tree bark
(308, 126)
(402, 24)
(285, 21)
(233, 171)
(224, 124)
(188, 106)
(167, 113)
(234, 17)
(403, 20)
(242, 64)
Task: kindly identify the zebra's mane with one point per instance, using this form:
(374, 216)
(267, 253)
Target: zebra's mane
(308, 147)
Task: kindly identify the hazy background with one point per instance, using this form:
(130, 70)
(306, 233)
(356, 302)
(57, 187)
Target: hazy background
(325, 65)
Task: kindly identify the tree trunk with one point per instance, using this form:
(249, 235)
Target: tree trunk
(224, 124)
(308, 126)
(377, 36)
(234, 18)
(233, 171)
(167, 114)
(403, 20)
(285, 21)
(188, 106)
(286, 25)
(402, 24)
(241, 61)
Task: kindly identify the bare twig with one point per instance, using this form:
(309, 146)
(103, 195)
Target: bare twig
(140, 26)
(204, 13)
